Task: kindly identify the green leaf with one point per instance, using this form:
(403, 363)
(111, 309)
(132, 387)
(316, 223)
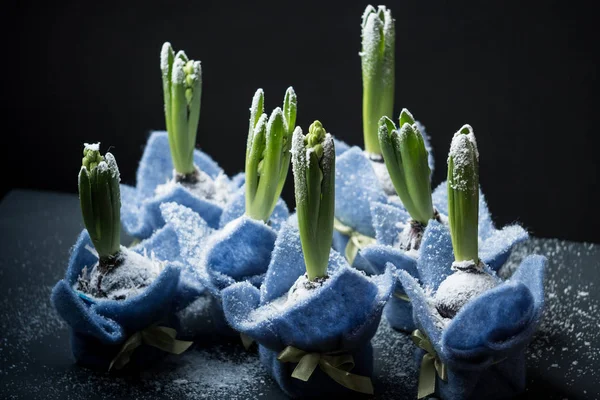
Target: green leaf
(85, 201)
(257, 109)
(416, 172)
(115, 196)
(193, 110)
(166, 65)
(253, 159)
(290, 105)
(390, 147)
(406, 118)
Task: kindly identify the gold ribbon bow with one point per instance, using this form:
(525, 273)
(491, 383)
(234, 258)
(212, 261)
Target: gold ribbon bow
(246, 340)
(430, 364)
(356, 242)
(336, 365)
(161, 337)
(401, 296)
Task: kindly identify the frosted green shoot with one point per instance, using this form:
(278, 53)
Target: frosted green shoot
(463, 194)
(377, 62)
(313, 162)
(268, 154)
(182, 89)
(405, 157)
(100, 201)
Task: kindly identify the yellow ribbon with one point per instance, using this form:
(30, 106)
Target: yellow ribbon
(401, 296)
(161, 337)
(336, 365)
(356, 241)
(430, 364)
(246, 340)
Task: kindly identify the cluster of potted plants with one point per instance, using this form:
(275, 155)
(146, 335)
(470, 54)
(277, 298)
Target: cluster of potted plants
(368, 234)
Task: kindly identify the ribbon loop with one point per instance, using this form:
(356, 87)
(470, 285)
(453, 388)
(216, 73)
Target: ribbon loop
(430, 365)
(161, 337)
(335, 365)
(356, 241)
(401, 296)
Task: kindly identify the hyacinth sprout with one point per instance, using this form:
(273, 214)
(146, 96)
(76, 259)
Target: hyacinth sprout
(100, 201)
(268, 154)
(463, 195)
(406, 161)
(182, 87)
(313, 162)
(470, 279)
(377, 62)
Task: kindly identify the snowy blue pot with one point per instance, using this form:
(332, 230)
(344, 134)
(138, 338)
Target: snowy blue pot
(495, 246)
(140, 205)
(240, 251)
(483, 347)
(100, 327)
(341, 316)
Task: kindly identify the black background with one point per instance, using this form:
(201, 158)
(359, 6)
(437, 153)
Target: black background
(523, 74)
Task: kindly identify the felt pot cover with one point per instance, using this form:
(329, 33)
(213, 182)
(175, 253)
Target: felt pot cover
(100, 327)
(342, 315)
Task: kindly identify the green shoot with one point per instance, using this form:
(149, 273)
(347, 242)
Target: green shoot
(100, 200)
(405, 157)
(377, 62)
(268, 154)
(182, 89)
(313, 161)
(463, 195)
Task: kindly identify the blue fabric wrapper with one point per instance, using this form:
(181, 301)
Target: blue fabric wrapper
(140, 207)
(99, 328)
(483, 346)
(215, 259)
(389, 220)
(236, 207)
(340, 147)
(341, 315)
(357, 186)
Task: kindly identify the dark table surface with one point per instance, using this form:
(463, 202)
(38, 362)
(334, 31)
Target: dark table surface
(38, 229)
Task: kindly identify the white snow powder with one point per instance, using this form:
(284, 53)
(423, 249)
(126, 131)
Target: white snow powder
(217, 191)
(92, 146)
(129, 279)
(461, 287)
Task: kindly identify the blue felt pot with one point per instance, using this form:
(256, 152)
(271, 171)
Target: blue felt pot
(240, 251)
(342, 315)
(100, 327)
(389, 221)
(483, 346)
(140, 206)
